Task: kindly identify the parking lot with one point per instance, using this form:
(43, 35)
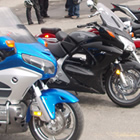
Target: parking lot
(104, 120)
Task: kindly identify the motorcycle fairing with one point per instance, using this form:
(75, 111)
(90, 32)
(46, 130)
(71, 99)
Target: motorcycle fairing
(16, 82)
(15, 59)
(51, 97)
(131, 64)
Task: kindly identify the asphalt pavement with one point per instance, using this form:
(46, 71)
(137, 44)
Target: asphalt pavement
(104, 120)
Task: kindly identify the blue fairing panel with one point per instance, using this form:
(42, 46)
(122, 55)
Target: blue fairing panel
(51, 97)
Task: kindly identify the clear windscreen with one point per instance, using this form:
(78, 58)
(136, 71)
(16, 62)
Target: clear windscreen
(11, 26)
(109, 18)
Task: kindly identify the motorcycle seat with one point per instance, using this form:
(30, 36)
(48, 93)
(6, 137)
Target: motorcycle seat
(50, 30)
(60, 35)
(57, 50)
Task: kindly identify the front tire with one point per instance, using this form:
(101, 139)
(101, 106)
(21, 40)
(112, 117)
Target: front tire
(121, 95)
(68, 124)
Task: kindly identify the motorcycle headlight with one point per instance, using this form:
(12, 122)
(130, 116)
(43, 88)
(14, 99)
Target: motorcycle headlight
(128, 45)
(45, 65)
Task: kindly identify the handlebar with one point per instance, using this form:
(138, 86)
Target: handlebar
(87, 25)
(96, 13)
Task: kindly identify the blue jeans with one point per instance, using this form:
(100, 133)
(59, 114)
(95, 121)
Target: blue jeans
(73, 9)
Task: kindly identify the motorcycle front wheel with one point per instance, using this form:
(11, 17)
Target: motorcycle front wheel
(122, 95)
(67, 125)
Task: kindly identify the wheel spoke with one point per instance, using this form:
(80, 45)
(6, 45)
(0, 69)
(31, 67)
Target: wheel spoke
(53, 138)
(123, 96)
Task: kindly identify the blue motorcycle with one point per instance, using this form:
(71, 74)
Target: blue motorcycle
(52, 114)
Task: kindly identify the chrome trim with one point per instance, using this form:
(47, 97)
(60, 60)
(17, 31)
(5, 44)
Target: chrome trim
(136, 56)
(38, 93)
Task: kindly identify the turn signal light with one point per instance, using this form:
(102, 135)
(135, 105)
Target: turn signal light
(118, 72)
(10, 43)
(110, 33)
(46, 44)
(132, 34)
(37, 113)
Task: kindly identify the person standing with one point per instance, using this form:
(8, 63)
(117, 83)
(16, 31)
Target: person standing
(66, 5)
(35, 4)
(44, 4)
(74, 8)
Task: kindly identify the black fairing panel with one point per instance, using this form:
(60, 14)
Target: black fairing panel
(85, 77)
(78, 70)
(72, 41)
(101, 47)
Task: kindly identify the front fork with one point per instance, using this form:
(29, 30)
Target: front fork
(45, 100)
(135, 56)
(38, 93)
(121, 74)
(122, 77)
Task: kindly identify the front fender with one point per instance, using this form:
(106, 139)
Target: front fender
(131, 64)
(51, 97)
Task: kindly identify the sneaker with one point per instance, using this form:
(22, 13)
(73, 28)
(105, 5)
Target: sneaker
(74, 17)
(67, 16)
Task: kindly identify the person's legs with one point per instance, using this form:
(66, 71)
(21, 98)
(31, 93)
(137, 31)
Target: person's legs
(76, 10)
(28, 15)
(37, 11)
(46, 5)
(70, 10)
(67, 5)
(41, 3)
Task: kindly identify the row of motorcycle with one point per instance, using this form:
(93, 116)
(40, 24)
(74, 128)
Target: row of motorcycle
(36, 73)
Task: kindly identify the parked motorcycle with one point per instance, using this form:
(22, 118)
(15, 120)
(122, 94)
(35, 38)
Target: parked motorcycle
(133, 23)
(98, 63)
(134, 17)
(24, 98)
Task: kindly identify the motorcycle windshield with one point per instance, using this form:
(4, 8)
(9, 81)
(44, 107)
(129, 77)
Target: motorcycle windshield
(109, 18)
(11, 26)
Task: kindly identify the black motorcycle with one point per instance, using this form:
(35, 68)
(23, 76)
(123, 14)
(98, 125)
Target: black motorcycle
(98, 63)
